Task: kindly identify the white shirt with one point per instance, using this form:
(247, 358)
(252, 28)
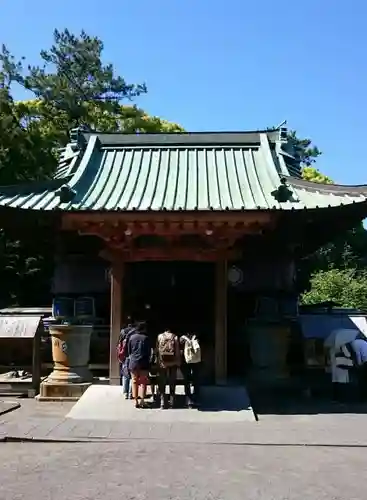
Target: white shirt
(338, 375)
(359, 347)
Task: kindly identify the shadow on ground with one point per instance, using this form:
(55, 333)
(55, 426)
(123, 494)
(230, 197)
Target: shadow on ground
(230, 399)
(215, 399)
(8, 406)
(280, 402)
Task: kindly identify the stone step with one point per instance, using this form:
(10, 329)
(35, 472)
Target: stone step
(218, 404)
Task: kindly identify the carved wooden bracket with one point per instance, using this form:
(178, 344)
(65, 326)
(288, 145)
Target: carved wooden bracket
(169, 239)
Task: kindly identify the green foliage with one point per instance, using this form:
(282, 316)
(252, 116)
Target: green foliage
(72, 87)
(308, 154)
(347, 287)
(125, 118)
(24, 153)
(305, 150)
(73, 76)
(348, 250)
(313, 175)
(336, 271)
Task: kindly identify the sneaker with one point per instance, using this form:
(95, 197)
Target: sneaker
(126, 396)
(190, 403)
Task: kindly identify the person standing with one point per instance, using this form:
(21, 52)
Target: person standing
(139, 352)
(168, 354)
(340, 364)
(125, 376)
(190, 367)
(358, 352)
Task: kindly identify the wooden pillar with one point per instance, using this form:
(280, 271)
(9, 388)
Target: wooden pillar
(36, 359)
(221, 322)
(117, 269)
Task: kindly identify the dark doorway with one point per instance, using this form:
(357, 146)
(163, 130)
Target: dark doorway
(241, 306)
(176, 295)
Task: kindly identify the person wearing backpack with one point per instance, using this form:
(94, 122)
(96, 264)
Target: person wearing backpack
(168, 356)
(140, 352)
(190, 367)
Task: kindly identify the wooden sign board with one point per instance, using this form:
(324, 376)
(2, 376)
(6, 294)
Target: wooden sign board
(16, 327)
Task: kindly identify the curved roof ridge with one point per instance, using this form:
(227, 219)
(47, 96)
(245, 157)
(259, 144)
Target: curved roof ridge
(328, 188)
(195, 139)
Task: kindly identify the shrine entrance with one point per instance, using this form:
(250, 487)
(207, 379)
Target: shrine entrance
(171, 271)
(176, 295)
(179, 295)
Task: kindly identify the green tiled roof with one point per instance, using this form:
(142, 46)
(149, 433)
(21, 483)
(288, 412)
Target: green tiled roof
(177, 172)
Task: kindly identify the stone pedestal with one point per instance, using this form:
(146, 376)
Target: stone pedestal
(70, 353)
(268, 347)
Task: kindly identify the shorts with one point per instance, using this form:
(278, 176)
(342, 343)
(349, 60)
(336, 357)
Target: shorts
(140, 377)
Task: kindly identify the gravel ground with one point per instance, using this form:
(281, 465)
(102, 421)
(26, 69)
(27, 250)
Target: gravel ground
(159, 471)
(187, 461)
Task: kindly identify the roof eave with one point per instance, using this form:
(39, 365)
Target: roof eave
(336, 189)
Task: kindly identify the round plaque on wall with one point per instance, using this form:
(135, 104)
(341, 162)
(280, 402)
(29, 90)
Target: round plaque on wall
(235, 276)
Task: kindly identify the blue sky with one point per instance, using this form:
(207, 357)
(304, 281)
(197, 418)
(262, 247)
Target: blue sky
(228, 65)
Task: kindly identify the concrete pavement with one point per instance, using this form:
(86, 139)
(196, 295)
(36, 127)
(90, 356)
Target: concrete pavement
(294, 457)
(146, 470)
(49, 421)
